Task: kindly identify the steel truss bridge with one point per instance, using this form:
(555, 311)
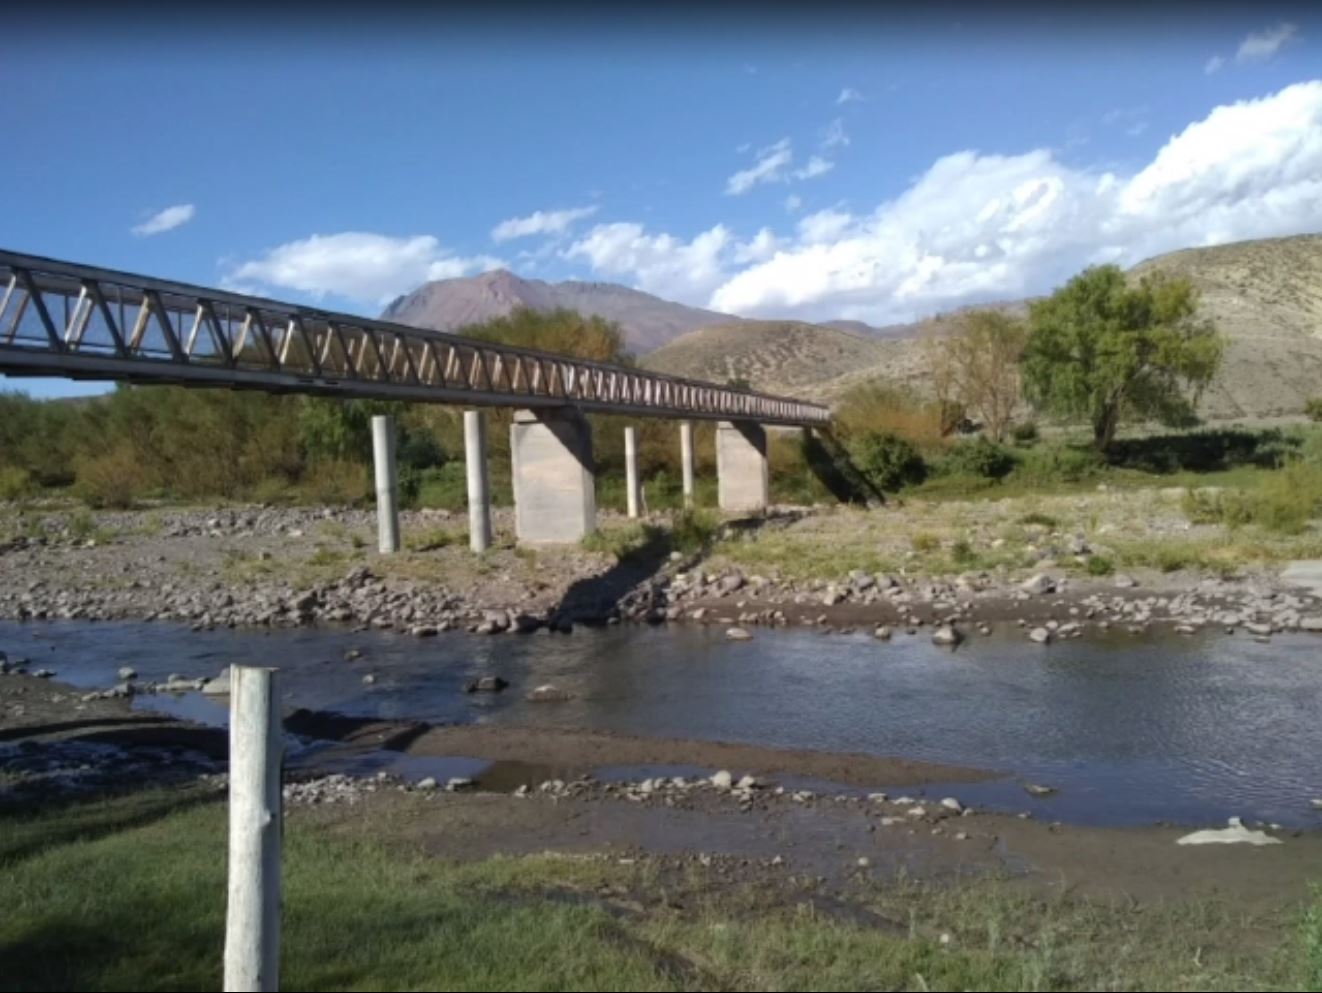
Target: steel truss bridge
(82, 322)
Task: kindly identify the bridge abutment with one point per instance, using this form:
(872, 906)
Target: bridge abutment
(387, 483)
(555, 499)
(741, 466)
(479, 480)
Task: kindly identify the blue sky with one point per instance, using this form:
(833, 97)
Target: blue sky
(856, 165)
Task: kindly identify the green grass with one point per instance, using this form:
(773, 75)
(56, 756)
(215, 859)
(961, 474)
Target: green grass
(130, 894)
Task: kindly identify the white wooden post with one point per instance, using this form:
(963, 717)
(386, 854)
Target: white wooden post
(252, 919)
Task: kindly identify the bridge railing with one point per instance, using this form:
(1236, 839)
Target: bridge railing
(65, 319)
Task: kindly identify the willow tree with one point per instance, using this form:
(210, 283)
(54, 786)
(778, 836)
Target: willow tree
(1105, 349)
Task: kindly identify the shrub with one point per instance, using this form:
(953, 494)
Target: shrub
(1099, 565)
(336, 481)
(1285, 502)
(444, 487)
(1043, 520)
(925, 541)
(961, 552)
(981, 457)
(113, 479)
(1058, 464)
(1025, 434)
(693, 531)
(888, 461)
(1313, 408)
(15, 483)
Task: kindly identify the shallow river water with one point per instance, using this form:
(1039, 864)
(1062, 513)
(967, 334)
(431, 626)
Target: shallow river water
(1130, 729)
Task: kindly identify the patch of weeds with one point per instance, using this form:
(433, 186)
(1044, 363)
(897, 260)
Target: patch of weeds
(1100, 565)
(1039, 519)
(925, 542)
(430, 540)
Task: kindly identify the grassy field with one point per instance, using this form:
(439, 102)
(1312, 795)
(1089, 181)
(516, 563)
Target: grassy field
(129, 894)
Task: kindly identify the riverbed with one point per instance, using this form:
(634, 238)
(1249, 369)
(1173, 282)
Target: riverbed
(1127, 729)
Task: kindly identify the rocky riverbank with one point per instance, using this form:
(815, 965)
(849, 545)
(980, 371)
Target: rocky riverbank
(262, 566)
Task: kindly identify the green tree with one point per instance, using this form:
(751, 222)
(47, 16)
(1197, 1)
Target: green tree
(565, 332)
(1104, 349)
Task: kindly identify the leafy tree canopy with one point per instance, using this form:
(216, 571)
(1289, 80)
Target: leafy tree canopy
(1103, 349)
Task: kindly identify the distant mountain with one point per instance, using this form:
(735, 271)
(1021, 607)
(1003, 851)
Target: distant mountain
(791, 357)
(1265, 296)
(648, 322)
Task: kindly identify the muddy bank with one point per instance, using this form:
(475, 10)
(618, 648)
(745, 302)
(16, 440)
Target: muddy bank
(575, 753)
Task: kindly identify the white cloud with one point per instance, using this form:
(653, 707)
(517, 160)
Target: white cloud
(165, 220)
(1264, 44)
(355, 265)
(848, 95)
(975, 227)
(540, 222)
(660, 264)
(770, 167)
(816, 166)
(834, 135)
(793, 202)
(1214, 65)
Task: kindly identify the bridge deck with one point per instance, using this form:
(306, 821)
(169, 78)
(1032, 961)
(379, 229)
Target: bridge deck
(81, 322)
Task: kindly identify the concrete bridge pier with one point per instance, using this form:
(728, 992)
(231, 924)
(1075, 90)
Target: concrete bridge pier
(387, 483)
(479, 480)
(741, 466)
(631, 469)
(686, 459)
(555, 500)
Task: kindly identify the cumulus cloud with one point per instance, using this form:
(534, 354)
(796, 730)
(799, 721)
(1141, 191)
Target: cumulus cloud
(770, 167)
(975, 227)
(793, 202)
(540, 222)
(355, 265)
(1263, 45)
(848, 95)
(660, 264)
(816, 166)
(165, 220)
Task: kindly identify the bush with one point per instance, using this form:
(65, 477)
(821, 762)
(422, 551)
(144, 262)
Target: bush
(1058, 464)
(337, 482)
(1286, 502)
(888, 461)
(114, 479)
(15, 483)
(1025, 434)
(981, 458)
(1099, 565)
(925, 541)
(693, 531)
(1313, 408)
(444, 487)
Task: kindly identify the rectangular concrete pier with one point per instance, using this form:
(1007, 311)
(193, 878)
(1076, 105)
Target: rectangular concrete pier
(555, 500)
(741, 466)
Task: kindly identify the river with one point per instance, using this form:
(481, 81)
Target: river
(1130, 729)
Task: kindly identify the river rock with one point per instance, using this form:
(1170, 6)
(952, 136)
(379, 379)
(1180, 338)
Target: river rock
(1038, 585)
(220, 685)
(883, 633)
(1310, 623)
(548, 694)
(946, 634)
(950, 803)
(722, 780)
(1040, 635)
(1235, 834)
(738, 634)
(127, 672)
(1036, 789)
(485, 684)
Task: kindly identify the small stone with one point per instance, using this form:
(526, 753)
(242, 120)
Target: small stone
(883, 633)
(1040, 635)
(749, 783)
(1038, 585)
(427, 784)
(486, 684)
(946, 634)
(127, 672)
(1035, 789)
(369, 679)
(548, 694)
(722, 780)
(864, 861)
(950, 803)
(458, 783)
(738, 634)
